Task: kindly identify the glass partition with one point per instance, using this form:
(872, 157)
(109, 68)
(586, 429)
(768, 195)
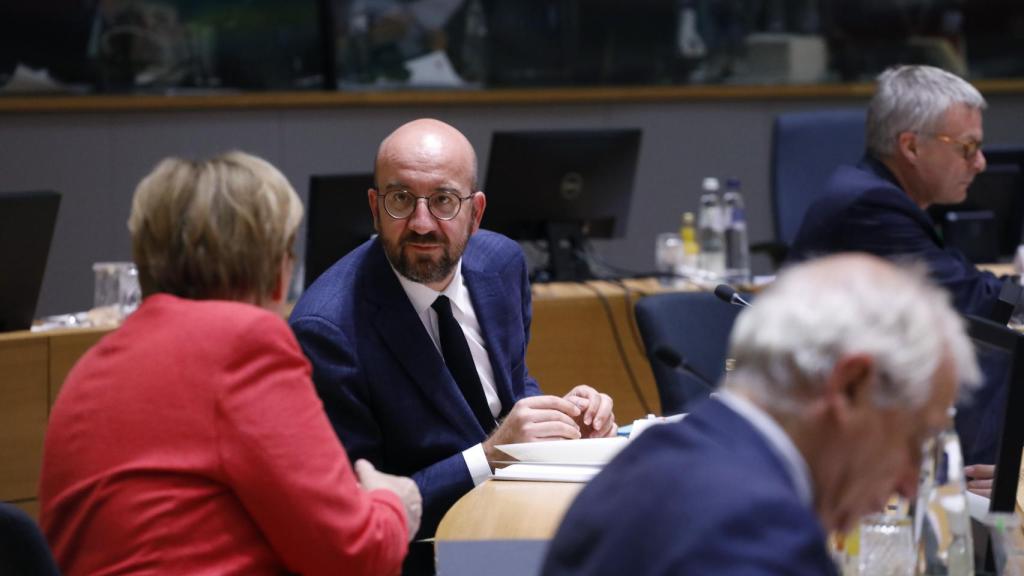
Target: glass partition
(197, 45)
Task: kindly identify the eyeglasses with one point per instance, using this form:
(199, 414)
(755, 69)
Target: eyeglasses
(970, 147)
(400, 204)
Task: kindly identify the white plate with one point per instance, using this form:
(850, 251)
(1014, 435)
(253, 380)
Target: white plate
(590, 451)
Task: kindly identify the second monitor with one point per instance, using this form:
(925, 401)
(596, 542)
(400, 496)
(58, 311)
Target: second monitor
(563, 187)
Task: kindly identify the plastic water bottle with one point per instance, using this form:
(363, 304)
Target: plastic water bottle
(710, 231)
(942, 521)
(737, 249)
(691, 249)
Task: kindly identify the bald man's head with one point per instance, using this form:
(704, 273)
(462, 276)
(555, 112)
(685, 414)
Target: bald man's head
(426, 160)
(429, 137)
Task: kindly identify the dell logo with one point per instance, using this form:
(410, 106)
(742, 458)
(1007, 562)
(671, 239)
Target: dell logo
(571, 186)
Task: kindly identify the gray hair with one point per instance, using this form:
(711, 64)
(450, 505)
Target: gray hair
(913, 99)
(786, 345)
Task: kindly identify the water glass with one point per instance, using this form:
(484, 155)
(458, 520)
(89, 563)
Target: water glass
(887, 545)
(116, 291)
(668, 256)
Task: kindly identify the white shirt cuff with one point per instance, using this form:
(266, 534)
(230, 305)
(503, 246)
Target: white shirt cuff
(476, 461)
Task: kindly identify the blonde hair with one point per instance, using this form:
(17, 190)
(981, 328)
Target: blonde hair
(213, 229)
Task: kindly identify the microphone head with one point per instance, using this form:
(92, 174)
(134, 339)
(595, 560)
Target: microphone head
(668, 356)
(725, 293)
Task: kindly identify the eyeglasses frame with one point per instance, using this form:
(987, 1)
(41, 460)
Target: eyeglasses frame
(381, 197)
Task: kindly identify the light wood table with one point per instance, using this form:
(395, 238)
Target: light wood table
(586, 333)
(33, 366)
(508, 510)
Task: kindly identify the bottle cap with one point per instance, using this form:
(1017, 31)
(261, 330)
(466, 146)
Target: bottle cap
(711, 184)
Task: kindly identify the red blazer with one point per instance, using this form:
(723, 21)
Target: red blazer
(191, 441)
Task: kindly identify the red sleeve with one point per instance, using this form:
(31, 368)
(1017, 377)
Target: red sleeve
(288, 468)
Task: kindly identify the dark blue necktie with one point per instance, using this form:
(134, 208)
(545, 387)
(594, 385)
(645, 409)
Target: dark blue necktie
(460, 363)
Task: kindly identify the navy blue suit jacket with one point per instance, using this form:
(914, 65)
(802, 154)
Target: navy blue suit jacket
(704, 496)
(865, 210)
(383, 383)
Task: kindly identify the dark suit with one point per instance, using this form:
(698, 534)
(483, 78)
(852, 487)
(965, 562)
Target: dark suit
(383, 383)
(704, 496)
(865, 210)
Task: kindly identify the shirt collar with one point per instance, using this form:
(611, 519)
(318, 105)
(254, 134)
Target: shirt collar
(422, 296)
(777, 439)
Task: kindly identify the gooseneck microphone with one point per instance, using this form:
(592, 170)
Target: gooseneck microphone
(673, 360)
(728, 294)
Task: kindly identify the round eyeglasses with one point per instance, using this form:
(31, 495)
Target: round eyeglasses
(400, 204)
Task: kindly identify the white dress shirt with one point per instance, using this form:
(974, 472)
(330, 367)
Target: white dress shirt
(777, 439)
(422, 297)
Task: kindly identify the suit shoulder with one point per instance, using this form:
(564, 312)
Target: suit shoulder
(488, 250)
(331, 296)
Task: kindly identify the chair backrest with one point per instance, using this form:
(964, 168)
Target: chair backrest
(337, 221)
(695, 325)
(806, 148)
(23, 549)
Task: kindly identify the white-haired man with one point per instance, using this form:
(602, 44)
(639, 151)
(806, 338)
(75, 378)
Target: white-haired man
(844, 368)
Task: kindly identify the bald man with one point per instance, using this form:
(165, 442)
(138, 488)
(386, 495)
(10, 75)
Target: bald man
(418, 337)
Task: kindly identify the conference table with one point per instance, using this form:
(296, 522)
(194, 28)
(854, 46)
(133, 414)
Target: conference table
(502, 527)
(582, 333)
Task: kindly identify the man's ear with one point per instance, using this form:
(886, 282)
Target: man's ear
(479, 201)
(906, 144)
(371, 197)
(850, 386)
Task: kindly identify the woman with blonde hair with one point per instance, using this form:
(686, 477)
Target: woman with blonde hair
(190, 440)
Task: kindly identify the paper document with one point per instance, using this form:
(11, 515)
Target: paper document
(547, 472)
(589, 451)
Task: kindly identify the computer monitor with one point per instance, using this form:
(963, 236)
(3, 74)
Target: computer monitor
(338, 220)
(988, 225)
(1000, 353)
(27, 221)
(561, 186)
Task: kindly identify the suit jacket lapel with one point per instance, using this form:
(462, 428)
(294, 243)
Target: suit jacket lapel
(403, 334)
(492, 311)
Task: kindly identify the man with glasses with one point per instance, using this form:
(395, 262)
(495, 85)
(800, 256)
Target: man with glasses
(924, 139)
(418, 337)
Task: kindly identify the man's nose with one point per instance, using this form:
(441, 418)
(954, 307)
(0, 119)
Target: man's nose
(980, 163)
(421, 220)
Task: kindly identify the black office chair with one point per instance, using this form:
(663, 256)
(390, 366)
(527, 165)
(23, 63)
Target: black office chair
(694, 325)
(23, 549)
(337, 220)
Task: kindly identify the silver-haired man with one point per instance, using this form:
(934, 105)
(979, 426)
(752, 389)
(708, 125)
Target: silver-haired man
(924, 139)
(844, 368)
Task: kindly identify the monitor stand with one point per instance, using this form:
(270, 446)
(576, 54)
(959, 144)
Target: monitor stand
(565, 246)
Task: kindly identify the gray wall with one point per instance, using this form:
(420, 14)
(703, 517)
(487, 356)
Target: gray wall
(95, 159)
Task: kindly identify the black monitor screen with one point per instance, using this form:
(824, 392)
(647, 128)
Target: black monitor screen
(338, 221)
(998, 405)
(27, 221)
(561, 186)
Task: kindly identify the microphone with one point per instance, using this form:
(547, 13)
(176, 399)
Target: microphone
(728, 294)
(673, 360)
